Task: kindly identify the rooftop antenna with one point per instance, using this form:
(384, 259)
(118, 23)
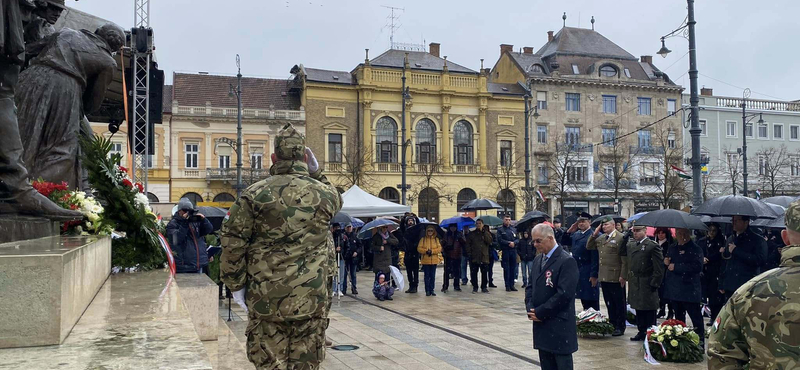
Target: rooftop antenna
(392, 26)
(564, 18)
(592, 23)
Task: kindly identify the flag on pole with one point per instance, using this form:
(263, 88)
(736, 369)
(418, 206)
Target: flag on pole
(758, 193)
(681, 173)
(540, 194)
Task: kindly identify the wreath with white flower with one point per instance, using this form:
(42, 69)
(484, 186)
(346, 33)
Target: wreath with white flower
(673, 341)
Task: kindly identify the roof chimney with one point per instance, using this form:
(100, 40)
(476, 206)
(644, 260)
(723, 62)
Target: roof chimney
(527, 50)
(506, 48)
(707, 91)
(434, 49)
(647, 59)
(550, 36)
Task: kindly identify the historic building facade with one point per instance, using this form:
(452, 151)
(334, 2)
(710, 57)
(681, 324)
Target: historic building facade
(604, 127)
(464, 134)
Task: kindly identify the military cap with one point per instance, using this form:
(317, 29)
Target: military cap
(57, 3)
(792, 217)
(290, 144)
(604, 219)
(584, 216)
(556, 220)
(634, 227)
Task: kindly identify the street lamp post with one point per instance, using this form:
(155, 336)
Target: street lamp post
(694, 100)
(238, 93)
(528, 189)
(404, 93)
(745, 120)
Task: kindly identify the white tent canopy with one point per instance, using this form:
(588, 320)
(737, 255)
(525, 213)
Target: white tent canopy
(359, 203)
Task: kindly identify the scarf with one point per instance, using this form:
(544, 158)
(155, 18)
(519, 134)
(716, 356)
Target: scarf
(384, 235)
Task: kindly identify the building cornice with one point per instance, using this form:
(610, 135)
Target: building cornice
(600, 83)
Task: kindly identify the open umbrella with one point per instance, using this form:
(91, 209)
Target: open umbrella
(735, 205)
(490, 220)
(214, 214)
(536, 214)
(398, 278)
(460, 221)
(481, 205)
(715, 219)
(777, 223)
(671, 218)
(596, 220)
(366, 231)
(341, 218)
(636, 216)
(357, 222)
(530, 219)
(781, 200)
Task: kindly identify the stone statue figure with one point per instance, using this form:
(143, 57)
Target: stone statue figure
(16, 194)
(67, 80)
(45, 16)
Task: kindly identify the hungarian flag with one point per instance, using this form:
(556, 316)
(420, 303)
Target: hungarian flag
(681, 173)
(758, 194)
(540, 194)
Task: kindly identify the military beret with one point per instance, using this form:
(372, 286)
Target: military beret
(634, 227)
(604, 219)
(290, 144)
(792, 217)
(584, 216)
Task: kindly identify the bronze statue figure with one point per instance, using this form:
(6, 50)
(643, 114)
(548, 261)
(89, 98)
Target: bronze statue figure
(45, 16)
(16, 194)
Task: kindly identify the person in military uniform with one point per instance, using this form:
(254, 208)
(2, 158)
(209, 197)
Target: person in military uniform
(613, 271)
(574, 239)
(645, 272)
(758, 327)
(277, 253)
(478, 244)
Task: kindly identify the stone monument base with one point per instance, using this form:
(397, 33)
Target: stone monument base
(14, 228)
(46, 284)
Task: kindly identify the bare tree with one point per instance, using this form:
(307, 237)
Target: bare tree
(428, 176)
(561, 171)
(352, 170)
(618, 158)
(733, 172)
(508, 176)
(669, 181)
(773, 165)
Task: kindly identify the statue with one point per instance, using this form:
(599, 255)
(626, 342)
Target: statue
(16, 194)
(67, 80)
(45, 16)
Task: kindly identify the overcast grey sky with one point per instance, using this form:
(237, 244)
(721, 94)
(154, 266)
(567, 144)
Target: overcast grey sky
(740, 42)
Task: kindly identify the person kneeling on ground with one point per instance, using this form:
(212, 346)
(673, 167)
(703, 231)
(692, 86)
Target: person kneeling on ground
(382, 290)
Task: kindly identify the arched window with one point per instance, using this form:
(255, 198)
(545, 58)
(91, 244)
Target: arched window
(193, 197)
(426, 141)
(508, 201)
(224, 197)
(464, 196)
(387, 140)
(608, 71)
(537, 68)
(429, 204)
(390, 194)
(462, 142)
(152, 198)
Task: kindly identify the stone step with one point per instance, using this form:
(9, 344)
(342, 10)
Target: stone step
(228, 352)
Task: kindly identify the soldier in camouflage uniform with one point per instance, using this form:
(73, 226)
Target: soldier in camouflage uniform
(759, 327)
(277, 246)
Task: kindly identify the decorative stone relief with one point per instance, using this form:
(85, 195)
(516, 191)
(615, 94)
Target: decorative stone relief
(592, 97)
(573, 120)
(627, 99)
(555, 96)
(660, 101)
(610, 122)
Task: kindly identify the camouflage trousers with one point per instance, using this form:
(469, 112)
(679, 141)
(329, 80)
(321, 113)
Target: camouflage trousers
(286, 345)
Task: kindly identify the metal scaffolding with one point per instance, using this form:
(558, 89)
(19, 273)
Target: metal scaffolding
(141, 54)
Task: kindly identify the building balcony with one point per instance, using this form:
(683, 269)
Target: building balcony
(333, 167)
(249, 175)
(192, 173)
(386, 167)
(426, 168)
(758, 104)
(466, 168)
(650, 182)
(647, 150)
(288, 115)
(574, 147)
(608, 184)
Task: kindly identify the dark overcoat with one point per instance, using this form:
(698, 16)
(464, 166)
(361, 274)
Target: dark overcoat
(683, 283)
(588, 264)
(645, 274)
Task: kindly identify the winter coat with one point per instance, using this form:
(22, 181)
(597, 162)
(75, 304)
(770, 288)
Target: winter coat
(551, 293)
(478, 245)
(712, 269)
(612, 265)
(588, 264)
(434, 246)
(746, 260)
(187, 240)
(350, 246)
(683, 283)
(505, 236)
(381, 260)
(645, 273)
(525, 250)
(454, 245)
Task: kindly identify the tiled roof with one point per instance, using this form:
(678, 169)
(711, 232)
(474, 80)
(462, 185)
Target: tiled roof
(324, 75)
(257, 93)
(417, 60)
(583, 42)
(505, 89)
(526, 61)
(167, 99)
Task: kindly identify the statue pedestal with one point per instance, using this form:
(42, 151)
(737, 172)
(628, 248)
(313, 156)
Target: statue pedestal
(46, 285)
(14, 228)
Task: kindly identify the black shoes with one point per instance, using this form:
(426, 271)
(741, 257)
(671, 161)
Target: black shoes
(617, 333)
(457, 289)
(380, 299)
(444, 290)
(389, 299)
(639, 337)
(513, 289)
(508, 289)
(491, 285)
(433, 294)
(427, 294)
(484, 290)
(355, 292)
(474, 290)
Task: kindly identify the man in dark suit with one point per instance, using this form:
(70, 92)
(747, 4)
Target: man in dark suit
(550, 301)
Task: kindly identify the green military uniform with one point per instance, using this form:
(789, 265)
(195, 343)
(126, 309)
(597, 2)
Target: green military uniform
(612, 265)
(759, 327)
(277, 244)
(645, 272)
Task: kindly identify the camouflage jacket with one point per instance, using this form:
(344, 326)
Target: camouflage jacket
(760, 324)
(278, 244)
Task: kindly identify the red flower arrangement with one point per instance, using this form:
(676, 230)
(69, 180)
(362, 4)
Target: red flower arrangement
(673, 322)
(140, 187)
(128, 184)
(47, 188)
(123, 169)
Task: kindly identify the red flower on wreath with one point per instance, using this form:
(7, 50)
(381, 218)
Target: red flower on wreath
(140, 187)
(123, 169)
(128, 184)
(673, 322)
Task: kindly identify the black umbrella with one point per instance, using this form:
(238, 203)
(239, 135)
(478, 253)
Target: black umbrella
(481, 205)
(671, 218)
(781, 200)
(529, 220)
(414, 233)
(341, 218)
(596, 220)
(537, 214)
(777, 223)
(215, 215)
(715, 219)
(735, 205)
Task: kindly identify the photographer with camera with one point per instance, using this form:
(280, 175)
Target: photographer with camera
(186, 232)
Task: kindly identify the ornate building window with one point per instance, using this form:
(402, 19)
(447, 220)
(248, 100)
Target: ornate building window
(429, 204)
(386, 140)
(465, 196)
(193, 197)
(608, 71)
(426, 141)
(224, 197)
(390, 194)
(508, 200)
(462, 142)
